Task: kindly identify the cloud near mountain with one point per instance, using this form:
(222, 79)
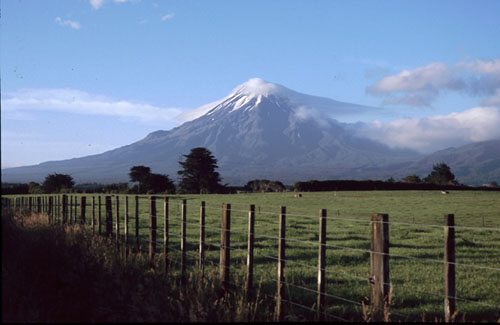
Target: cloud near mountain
(66, 100)
(424, 135)
(435, 133)
(421, 86)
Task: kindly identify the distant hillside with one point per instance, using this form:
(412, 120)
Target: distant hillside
(473, 164)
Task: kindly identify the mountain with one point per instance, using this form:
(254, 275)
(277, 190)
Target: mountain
(260, 130)
(473, 164)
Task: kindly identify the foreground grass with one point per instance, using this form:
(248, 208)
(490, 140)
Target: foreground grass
(66, 274)
(416, 247)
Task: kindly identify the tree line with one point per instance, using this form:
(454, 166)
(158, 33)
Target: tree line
(440, 178)
(198, 175)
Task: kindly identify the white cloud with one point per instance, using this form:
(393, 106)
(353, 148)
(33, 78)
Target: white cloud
(434, 133)
(422, 85)
(417, 87)
(96, 4)
(304, 113)
(80, 102)
(70, 23)
(167, 16)
(490, 67)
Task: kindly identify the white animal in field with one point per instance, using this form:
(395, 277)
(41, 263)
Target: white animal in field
(297, 195)
(445, 192)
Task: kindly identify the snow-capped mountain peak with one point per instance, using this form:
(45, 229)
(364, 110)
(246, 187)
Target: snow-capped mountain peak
(255, 92)
(257, 87)
(248, 95)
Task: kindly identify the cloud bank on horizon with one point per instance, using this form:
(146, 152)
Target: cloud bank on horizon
(421, 87)
(18, 105)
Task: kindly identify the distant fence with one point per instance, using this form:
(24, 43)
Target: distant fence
(63, 209)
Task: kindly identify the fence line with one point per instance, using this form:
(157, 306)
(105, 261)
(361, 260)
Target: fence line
(57, 212)
(368, 221)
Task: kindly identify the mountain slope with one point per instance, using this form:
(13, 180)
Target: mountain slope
(260, 130)
(473, 164)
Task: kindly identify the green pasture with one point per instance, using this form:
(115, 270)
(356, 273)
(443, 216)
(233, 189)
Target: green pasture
(416, 246)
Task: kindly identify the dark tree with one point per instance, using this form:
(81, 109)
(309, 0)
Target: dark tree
(35, 188)
(198, 173)
(492, 184)
(139, 174)
(264, 185)
(55, 182)
(441, 175)
(157, 183)
(412, 179)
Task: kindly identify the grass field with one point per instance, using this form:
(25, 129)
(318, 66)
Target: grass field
(416, 246)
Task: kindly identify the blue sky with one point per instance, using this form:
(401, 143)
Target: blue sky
(81, 77)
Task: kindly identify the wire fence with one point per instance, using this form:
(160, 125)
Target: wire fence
(350, 267)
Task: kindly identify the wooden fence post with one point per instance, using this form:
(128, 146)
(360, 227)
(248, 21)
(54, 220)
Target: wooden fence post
(64, 209)
(225, 241)
(165, 232)
(109, 217)
(152, 230)
(183, 241)
(75, 214)
(321, 265)
(71, 209)
(126, 226)
(30, 204)
(54, 208)
(202, 238)
(51, 209)
(251, 229)
(75, 209)
(281, 266)
(117, 226)
(137, 223)
(58, 208)
(379, 258)
(99, 214)
(449, 267)
(93, 214)
(39, 205)
(83, 207)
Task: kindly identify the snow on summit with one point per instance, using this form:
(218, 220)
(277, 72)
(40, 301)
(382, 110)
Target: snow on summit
(249, 95)
(257, 87)
(253, 88)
